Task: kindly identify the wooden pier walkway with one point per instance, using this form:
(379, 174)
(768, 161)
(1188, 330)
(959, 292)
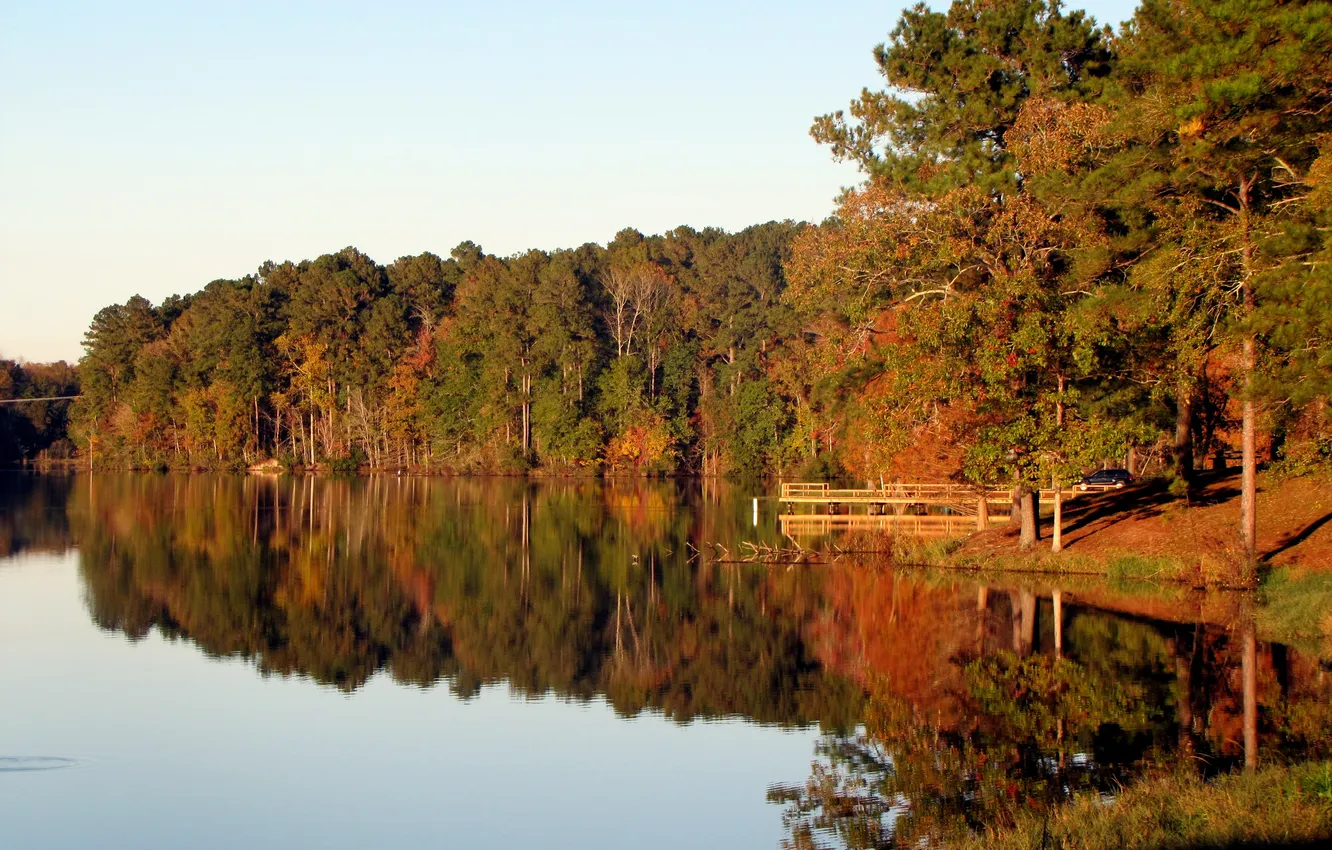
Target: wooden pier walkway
(984, 507)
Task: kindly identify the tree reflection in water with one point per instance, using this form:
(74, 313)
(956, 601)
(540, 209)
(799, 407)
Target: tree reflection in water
(574, 588)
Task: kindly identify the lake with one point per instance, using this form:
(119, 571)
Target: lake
(228, 661)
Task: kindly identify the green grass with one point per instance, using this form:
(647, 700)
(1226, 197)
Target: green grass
(1124, 569)
(1297, 607)
(909, 550)
(1139, 568)
(1275, 807)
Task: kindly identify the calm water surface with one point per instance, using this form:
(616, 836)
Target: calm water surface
(217, 661)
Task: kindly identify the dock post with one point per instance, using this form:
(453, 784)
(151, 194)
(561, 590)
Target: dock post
(756, 511)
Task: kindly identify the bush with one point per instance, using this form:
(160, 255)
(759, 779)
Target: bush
(348, 464)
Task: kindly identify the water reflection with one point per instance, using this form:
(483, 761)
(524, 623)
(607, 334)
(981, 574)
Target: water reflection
(949, 706)
(1018, 701)
(569, 587)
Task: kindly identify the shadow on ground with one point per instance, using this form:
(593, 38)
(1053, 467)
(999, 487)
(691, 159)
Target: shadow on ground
(1299, 537)
(1088, 515)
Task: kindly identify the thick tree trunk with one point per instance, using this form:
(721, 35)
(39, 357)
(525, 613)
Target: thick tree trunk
(1035, 499)
(1276, 444)
(1029, 504)
(1184, 437)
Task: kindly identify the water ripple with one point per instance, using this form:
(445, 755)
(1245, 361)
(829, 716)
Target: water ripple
(30, 764)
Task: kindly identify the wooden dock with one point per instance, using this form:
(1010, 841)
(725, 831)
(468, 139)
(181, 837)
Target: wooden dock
(950, 501)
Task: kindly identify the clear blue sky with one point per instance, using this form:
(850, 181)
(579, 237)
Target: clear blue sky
(152, 147)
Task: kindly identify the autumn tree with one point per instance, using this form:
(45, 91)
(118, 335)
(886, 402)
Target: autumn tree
(979, 272)
(1228, 101)
(956, 83)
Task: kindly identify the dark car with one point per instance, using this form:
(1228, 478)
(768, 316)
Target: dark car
(1106, 478)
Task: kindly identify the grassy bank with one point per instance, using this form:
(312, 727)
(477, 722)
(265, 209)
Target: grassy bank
(1290, 604)
(1274, 807)
(1147, 532)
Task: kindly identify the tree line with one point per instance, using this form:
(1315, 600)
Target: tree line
(651, 355)
(34, 412)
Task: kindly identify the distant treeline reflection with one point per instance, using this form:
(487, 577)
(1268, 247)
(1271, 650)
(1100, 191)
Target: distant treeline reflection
(573, 588)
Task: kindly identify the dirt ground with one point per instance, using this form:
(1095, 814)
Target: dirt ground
(1294, 522)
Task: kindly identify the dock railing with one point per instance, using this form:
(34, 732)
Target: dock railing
(792, 489)
(822, 493)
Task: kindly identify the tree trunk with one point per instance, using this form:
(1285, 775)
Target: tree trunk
(1035, 499)
(982, 513)
(527, 415)
(330, 442)
(1184, 437)
(652, 373)
(1249, 449)
(1249, 463)
(1029, 509)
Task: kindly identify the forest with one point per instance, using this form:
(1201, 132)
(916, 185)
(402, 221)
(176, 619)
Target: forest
(649, 355)
(33, 429)
(1071, 245)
